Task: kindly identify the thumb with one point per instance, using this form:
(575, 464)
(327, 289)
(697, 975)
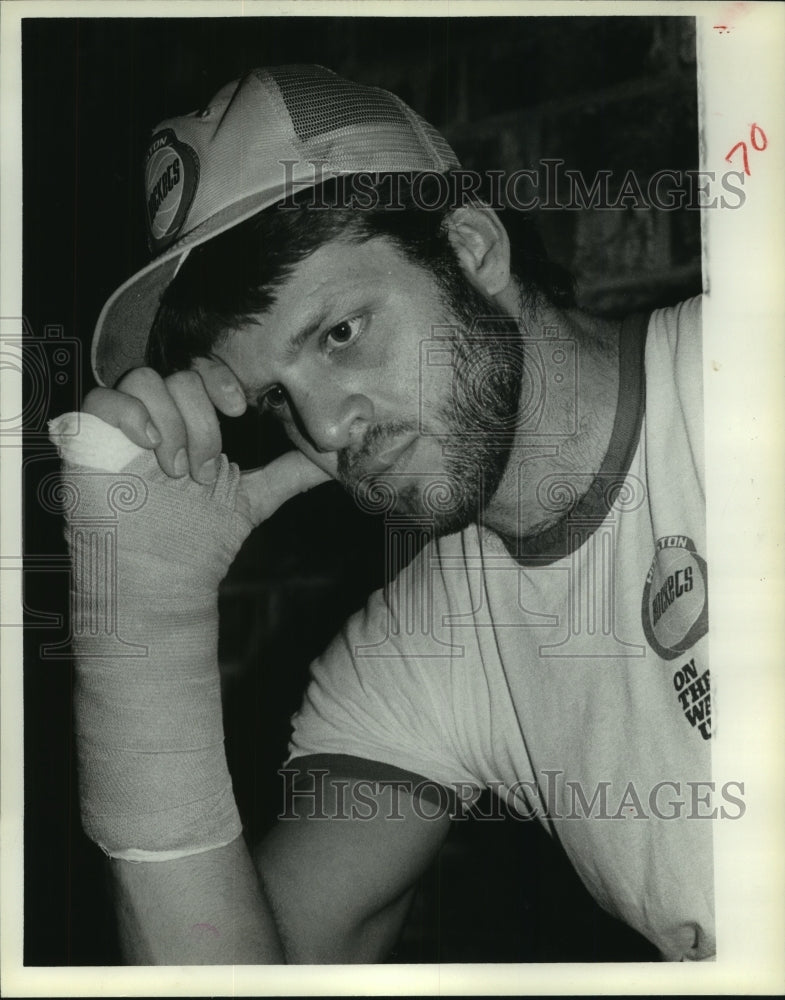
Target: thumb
(266, 489)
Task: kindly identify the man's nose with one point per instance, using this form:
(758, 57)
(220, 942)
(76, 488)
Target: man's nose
(335, 422)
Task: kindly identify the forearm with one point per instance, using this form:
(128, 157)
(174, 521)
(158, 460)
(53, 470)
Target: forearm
(155, 791)
(205, 909)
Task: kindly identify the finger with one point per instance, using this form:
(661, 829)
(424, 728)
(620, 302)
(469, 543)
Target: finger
(222, 386)
(126, 413)
(150, 389)
(266, 489)
(203, 432)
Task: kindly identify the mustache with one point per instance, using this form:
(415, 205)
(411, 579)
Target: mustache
(377, 437)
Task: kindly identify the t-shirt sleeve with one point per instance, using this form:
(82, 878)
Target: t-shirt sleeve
(674, 360)
(372, 696)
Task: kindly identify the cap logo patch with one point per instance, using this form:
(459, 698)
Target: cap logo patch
(171, 174)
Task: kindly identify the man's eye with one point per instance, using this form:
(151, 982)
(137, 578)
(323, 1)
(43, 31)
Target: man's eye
(343, 333)
(274, 398)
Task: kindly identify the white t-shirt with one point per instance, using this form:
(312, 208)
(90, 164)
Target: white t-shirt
(572, 680)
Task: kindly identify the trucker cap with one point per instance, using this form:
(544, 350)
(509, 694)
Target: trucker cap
(259, 140)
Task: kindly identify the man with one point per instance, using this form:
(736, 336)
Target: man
(316, 258)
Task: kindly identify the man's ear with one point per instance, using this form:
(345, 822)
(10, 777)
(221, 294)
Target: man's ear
(482, 246)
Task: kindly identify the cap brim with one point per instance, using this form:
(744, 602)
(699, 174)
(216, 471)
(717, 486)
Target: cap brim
(123, 327)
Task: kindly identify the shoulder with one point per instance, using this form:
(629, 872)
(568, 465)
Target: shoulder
(677, 328)
(684, 316)
(674, 345)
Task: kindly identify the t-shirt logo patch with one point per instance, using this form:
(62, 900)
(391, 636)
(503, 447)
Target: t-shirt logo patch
(675, 607)
(171, 174)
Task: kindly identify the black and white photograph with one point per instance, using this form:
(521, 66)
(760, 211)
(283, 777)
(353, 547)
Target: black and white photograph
(369, 455)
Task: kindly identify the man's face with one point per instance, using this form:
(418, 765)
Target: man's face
(366, 361)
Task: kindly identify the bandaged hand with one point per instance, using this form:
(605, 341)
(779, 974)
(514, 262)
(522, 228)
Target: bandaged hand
(148, 552)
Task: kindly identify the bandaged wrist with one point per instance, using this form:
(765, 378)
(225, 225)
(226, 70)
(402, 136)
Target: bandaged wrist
(148, 553)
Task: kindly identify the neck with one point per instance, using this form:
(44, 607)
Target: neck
(565, 419)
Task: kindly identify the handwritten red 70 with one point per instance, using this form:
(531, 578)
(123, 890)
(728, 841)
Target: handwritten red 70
(758, 141)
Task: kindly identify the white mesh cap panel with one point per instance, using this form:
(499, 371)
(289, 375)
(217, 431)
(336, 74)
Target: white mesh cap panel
(319, 102)
(355, 127)
(442, 151)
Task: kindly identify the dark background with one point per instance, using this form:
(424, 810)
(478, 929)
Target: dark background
(610, 93)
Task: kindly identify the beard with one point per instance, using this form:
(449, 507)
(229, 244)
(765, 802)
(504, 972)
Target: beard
(473, 420)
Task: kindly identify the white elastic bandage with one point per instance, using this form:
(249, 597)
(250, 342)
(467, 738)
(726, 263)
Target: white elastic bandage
(148, 554)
